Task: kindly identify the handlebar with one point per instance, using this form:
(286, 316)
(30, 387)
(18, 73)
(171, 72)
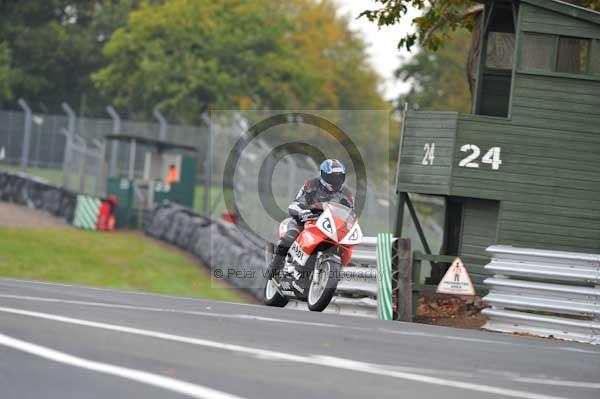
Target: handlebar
(309, 216)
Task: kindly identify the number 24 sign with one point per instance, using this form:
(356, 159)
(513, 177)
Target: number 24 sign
(492, 156)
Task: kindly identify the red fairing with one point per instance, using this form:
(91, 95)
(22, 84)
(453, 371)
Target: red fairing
(310, 238)
(347, 255)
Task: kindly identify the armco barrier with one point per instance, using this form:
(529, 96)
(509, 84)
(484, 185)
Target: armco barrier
(544, 293)
(219, 245)
(36, 193)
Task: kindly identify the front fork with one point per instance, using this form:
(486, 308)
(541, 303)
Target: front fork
(323, 257)
(316, 274)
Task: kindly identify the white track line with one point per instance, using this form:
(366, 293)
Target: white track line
(324, 361)
(286, 321)
(171, 384)
(23, 283)
(562, 383)
(169, 310)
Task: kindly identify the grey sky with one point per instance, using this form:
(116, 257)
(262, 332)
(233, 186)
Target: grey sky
(381, 42)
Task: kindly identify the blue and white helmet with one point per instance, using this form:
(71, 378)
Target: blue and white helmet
(333, 174)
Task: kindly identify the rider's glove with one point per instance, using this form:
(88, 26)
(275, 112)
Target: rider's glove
(304, 214)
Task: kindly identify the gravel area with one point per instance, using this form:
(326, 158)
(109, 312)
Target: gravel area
(12, 215)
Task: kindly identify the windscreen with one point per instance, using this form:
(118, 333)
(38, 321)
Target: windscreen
(342, 214)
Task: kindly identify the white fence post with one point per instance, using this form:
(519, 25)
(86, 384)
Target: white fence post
(26, 134)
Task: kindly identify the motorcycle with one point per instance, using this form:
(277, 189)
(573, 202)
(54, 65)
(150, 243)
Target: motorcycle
(312, 267)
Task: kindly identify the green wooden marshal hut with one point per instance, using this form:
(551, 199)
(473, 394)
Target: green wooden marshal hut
(522, 169)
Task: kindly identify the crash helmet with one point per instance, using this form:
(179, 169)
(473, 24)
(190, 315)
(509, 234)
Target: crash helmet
(333, 174)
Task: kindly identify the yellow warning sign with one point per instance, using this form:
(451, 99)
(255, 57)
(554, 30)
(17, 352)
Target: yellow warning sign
(456, 280)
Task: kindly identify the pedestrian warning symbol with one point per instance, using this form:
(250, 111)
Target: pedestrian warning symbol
(456, 280)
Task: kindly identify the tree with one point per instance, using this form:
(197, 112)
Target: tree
(438, 18)
(7, 74)
(183, 55)
(187, 56)
(325, 40)
(49, 48)
(439, 79)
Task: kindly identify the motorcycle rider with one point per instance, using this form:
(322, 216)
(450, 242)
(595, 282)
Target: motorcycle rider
(326, 188)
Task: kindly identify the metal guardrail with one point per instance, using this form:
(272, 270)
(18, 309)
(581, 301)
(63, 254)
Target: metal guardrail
(544, 293)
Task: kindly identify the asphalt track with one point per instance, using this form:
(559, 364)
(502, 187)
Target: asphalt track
(60, 341)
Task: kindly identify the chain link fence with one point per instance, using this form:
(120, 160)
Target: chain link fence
(272, 167)
(69, 151)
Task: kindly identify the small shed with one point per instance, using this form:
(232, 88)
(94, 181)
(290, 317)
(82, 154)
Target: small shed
(523, 168)
(168, 172)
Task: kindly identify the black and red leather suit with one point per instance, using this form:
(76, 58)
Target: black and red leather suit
(312, 192)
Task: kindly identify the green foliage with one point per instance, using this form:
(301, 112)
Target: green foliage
(54, 45)
(337, 54)
(7, 74)
(438, 18)
(439, 79)
(188, 56)
(182, 55)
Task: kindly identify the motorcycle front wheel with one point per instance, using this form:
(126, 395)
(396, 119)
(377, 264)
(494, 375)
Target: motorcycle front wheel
(323, 286)
(272, 295)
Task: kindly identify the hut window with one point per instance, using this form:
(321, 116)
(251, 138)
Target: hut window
(500, 49)
(537, 51)
(573, 55)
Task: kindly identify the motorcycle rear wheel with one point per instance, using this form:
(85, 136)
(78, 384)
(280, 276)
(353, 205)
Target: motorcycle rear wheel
(320, 293)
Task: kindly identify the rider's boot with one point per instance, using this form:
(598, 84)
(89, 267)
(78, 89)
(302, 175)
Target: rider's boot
(276, 264)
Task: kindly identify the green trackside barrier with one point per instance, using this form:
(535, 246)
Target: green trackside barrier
(86, 212)
(384, 276)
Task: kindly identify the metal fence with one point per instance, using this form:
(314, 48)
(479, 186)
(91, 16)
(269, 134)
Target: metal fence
(287, 173)
(544, 293)
(66, 149)
(69, 151)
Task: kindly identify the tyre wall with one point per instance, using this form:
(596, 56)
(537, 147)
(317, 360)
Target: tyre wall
(38, 194)
(231, 255)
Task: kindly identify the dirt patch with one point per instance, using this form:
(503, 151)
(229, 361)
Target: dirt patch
(450, 311)
(12, 215)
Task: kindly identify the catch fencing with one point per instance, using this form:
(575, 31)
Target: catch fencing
(69, 150)
(544, 293)
(285, 174)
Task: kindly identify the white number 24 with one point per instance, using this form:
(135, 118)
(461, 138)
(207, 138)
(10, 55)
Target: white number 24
(491, 157)
(428, 157)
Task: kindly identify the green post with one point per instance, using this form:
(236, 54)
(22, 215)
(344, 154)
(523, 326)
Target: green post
(384, 276)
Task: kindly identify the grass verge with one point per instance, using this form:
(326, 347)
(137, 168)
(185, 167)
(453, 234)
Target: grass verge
(122, 260)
